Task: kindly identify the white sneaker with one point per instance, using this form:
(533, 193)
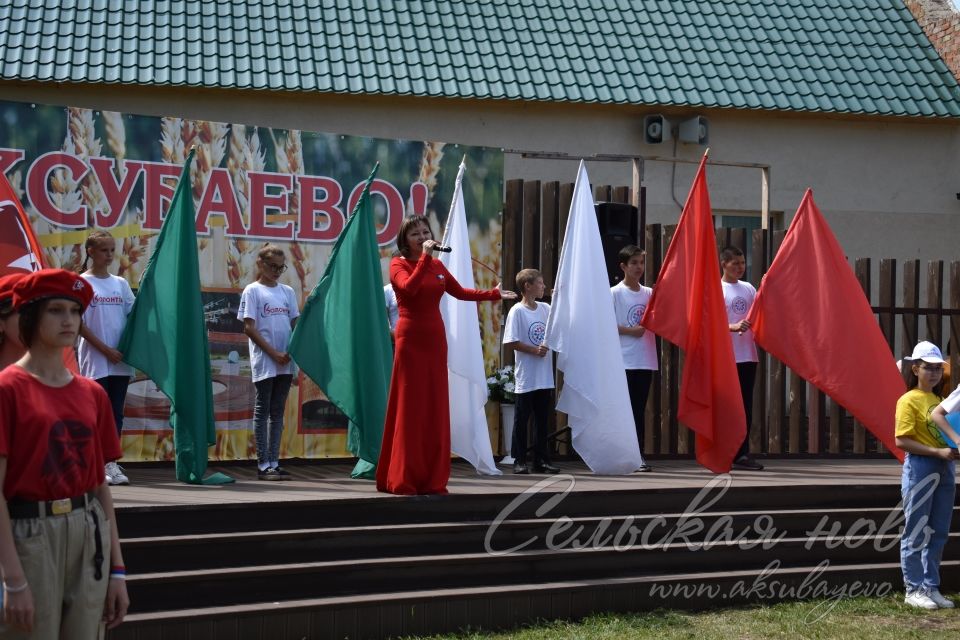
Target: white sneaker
(939, 600)
(920, 599)
(115, 475)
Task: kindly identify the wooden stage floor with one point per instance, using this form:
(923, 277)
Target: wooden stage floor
(154, 485)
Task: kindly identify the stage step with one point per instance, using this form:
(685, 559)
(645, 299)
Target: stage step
(384, 567)
(429, 611)
(208, 551)
(136, 522)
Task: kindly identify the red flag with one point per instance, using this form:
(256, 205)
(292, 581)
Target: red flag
(811, 314)
(687, 309)
(19, 249)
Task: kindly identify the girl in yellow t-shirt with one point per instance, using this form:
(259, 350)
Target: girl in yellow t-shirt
(929, 482)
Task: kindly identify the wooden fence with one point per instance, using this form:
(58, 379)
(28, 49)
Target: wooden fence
(790, 416)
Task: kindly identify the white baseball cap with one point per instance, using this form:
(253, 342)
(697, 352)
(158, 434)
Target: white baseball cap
(928, 352)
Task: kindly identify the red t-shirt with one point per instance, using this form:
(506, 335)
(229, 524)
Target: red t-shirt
(56, 439)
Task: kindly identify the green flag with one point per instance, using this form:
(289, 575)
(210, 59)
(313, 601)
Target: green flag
(341, 339)
(166, 336)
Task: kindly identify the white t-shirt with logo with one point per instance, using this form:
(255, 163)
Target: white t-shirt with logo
(629, 305)
(105, 317)
(738, 297)
(393, 311)
(529, 326)
(272, 309)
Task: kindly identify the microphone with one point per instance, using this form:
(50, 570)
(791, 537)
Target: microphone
(442, 248)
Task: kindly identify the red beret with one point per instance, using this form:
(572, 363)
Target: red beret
(7, 282)
(52, 283)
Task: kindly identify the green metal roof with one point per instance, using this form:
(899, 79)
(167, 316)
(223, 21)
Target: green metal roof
(842, 56)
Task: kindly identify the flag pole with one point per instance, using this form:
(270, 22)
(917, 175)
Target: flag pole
(456, 190)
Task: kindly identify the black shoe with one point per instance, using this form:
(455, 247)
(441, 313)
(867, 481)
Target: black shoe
(521, 468)
(644, 468)
(746, 463)
(545, 467)
(283, 473)
(269, 474)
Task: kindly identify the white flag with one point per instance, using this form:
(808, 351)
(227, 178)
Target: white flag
(467, 382)
(582, 329)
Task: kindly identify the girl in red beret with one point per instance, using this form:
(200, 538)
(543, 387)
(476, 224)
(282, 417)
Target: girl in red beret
(63, 573)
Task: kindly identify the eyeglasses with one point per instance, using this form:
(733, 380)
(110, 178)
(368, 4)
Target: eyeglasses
(276, 268)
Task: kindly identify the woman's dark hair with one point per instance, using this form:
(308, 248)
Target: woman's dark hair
(408, 223)
(30, 319)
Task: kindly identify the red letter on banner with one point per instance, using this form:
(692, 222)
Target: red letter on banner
(39, 176)
(117, 195)
(157, 190)
(394, 200)
(261, 202)
(9, 157)
(328, 205)
(219, 197)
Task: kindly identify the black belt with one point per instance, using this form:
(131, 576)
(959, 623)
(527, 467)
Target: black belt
(22, 509)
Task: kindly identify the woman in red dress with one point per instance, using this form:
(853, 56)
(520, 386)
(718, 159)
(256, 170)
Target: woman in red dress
(415, 454)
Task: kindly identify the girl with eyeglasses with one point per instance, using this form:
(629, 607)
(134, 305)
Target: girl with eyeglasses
(269, 312)
(928, 483)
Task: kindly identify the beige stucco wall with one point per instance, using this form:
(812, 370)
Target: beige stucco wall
(888, 187)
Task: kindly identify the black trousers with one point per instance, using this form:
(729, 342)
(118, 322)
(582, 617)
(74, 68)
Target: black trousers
(638, 385)
(747, 373)
(537, 404)
(116, 388)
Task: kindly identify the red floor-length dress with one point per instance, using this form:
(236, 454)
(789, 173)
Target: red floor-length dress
(415, 454)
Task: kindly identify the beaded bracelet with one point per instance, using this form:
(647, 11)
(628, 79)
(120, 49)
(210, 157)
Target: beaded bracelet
(10, 589)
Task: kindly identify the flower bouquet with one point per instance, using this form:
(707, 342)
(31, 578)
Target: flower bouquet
(501, 384)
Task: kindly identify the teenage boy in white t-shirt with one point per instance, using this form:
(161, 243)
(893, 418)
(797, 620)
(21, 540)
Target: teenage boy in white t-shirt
(269, 312)
(638, 346)
(738, 297)
(524, 333)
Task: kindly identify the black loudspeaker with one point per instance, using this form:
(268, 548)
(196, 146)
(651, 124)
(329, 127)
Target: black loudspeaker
(618, 224)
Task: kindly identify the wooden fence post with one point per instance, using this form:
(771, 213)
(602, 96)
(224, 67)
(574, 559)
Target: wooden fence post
(863, 269)
(758, 434)
(955, 322)
(935, 301)
(911, 302)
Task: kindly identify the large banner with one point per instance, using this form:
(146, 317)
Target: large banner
(76, 170)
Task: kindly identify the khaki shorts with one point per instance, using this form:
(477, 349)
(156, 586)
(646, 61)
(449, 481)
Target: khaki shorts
(57, 556)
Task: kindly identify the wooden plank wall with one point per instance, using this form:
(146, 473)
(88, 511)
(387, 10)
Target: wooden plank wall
(791, 417)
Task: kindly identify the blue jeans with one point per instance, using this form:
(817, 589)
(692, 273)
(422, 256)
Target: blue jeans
(928, 488)
(268, 416)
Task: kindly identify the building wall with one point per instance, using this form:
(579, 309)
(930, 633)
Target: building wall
(941, 22)
(887, 186)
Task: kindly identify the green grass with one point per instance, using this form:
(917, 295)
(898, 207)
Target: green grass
(884, 618)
